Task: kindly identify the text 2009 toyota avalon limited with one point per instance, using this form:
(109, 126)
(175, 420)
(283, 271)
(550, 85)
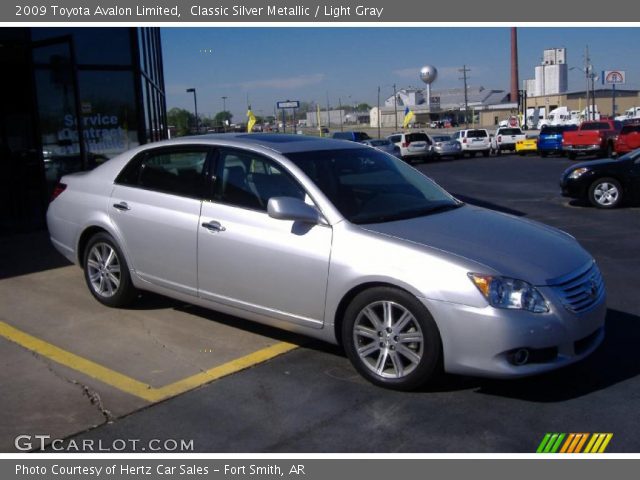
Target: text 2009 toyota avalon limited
(337, 241)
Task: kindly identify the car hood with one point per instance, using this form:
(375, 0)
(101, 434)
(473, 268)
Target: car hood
(596, 163)
(511, 246)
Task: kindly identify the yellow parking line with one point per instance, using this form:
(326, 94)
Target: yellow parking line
(131, 385)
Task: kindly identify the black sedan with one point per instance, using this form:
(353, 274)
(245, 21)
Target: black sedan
(605, 183)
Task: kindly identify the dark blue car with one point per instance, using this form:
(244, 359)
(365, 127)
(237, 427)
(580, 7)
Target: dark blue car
(550, 139)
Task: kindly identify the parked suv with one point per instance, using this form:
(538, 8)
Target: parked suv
(473, 141)
(550, 138)
(352, 136)
(412, 145)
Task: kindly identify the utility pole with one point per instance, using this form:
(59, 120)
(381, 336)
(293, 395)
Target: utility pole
(587, 74)
(379, 114)
(340, 112)
(395, 104)
(328, 115)
(464, 71)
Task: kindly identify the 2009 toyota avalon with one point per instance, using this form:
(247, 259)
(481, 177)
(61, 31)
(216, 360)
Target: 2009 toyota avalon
(336, 241)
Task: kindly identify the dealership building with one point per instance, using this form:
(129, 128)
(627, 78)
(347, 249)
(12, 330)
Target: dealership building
(72, 98)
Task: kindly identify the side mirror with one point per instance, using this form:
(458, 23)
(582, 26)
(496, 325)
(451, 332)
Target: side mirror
(290, 208)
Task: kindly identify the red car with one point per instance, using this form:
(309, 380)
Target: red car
(628, 139)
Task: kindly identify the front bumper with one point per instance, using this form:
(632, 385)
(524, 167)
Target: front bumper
(482, 341)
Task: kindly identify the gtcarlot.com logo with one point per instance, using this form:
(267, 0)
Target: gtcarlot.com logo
(574, 443)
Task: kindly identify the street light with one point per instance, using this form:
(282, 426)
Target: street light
(195, 105)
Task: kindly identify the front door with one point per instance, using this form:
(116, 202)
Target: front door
(248, 260)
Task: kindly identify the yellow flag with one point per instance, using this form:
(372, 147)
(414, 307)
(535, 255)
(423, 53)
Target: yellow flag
(252, 120)
(408, 116)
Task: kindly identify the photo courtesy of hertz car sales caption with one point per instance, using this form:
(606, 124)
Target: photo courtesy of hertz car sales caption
(124, 469)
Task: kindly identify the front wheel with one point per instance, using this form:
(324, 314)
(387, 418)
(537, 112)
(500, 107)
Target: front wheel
(605, 193)
(391, 338)
(107, 273)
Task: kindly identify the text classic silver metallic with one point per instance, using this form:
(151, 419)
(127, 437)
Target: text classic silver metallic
(338, 241)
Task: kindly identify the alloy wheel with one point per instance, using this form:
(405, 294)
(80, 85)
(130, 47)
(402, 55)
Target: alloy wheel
(388, 339)
(103, 267)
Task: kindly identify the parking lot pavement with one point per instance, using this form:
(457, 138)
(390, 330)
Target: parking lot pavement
(311, 399)
(69, 364)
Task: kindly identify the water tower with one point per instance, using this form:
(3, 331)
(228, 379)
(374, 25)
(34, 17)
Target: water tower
(428, 75)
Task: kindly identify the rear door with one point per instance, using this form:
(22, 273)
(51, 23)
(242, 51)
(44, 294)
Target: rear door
(155, 207)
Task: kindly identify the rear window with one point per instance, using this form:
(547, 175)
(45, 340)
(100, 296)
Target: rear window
(476, 134)
(557, 129)
(417, 137)
(441, 138)
(630, 129)
(595, 126)
(342, 135)
(510, 131)
(360, 136)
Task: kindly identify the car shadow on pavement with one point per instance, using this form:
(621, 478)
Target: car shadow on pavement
(25, 253)
(616, 360)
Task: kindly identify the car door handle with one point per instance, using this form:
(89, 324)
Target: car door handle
(214, 226)
(122, 206)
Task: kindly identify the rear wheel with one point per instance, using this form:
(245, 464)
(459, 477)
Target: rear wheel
(543, 154)
(485, 153)
(107, 273)
(605, 193)
(391, 338)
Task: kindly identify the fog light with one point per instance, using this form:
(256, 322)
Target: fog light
(520, 356)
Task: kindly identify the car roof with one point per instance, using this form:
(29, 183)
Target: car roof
(276, 142)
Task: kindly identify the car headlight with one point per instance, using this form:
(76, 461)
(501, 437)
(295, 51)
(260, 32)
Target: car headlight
(503, 292)
(578, 172)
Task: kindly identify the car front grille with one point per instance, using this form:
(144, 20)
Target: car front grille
(581, 289)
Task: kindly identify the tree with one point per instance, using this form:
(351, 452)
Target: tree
(363, 107)
(222, 117)
(182, 119)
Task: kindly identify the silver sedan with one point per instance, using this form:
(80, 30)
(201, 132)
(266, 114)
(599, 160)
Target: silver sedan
(337, 241)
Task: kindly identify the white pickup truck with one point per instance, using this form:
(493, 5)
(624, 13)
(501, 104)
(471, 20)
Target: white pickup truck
(505, 138)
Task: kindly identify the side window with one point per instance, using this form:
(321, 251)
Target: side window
(179, 172)
(249, 180)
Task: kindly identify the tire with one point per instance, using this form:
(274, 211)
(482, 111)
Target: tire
(605, 193)
(402, 359)
(543, 154)
(521, 154)
(108, 279)
(485, 153)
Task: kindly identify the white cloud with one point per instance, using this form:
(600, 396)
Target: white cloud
(279, 83)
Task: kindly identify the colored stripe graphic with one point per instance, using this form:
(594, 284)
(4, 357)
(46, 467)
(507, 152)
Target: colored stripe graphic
(574, 443)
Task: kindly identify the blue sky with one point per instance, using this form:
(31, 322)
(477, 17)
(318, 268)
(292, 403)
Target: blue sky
(271, 64)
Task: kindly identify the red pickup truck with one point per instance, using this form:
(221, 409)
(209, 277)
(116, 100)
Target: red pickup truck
(591, 138)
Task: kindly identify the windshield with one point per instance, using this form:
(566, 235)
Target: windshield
(510, 131)
(368, 186)
(595, 126)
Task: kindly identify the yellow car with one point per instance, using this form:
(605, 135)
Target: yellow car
(528, 145)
